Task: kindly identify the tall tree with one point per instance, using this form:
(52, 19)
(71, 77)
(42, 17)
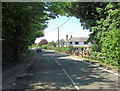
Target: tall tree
(22, 24)
(108, 33)
(43, 42)
(102, 18)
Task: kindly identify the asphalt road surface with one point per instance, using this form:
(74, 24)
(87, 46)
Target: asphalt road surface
(58, 71)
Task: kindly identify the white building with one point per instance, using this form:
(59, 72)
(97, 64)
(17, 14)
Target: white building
(75, 41)
(62, 43)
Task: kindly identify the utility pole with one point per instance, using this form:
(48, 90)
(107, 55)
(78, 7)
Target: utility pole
(58, 36)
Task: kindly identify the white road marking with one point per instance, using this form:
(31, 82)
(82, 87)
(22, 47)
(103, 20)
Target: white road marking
(71, 80)
(109, 71)
(67, 75)
(57, 62)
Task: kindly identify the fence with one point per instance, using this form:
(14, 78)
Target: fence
(87, 54)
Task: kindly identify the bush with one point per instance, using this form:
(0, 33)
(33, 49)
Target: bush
(81, 48)
(94, 47)
(111, 48)
(60, 49)
(49, 47)
(44, 46)
(69, 48)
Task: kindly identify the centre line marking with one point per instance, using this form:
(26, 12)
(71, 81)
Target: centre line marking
(67, 75)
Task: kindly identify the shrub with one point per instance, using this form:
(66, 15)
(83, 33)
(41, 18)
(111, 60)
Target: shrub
(63, 49)
(69, 48)
(44, 46)
(49, 47)
(60, 49)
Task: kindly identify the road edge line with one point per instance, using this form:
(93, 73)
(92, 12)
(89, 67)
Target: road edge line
(67, 74)
(98, 67)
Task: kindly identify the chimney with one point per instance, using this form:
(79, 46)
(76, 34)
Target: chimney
(66, 37)
(71, 36)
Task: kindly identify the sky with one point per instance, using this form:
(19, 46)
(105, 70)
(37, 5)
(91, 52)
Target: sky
(71, 27)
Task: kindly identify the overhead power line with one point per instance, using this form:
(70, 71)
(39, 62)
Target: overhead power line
(58, 27)
(51, 30)
(64, 23)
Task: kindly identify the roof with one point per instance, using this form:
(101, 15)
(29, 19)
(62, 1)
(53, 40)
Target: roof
(62, 40)
(78, 39)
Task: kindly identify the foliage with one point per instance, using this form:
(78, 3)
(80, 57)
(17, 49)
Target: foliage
(81, 48)
(92, 47)
(85, 11)
(22, 22)
(44, 46)
(53, 43)
(103, 20)
(111, 47)
(100, 29)
(33, 45)
(95, 47)
(69, 48)
(49, 46)
(43, 42)
(60, 49)
(108, 33)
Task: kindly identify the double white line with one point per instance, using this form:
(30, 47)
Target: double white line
(67, 75)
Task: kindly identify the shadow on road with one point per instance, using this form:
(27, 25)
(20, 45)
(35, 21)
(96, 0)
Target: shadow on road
(45, 73)
(87, 76)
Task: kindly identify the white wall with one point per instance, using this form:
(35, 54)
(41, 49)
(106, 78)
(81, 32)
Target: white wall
(80, 44)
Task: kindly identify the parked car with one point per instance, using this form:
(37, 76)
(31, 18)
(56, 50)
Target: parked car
(39, 49)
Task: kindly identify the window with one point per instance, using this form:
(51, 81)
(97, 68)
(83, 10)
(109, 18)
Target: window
(76, 43)
(70, 42)
(63, 43)
(85, 42)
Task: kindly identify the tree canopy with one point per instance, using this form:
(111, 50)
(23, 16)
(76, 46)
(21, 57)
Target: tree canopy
(104, 21)
(43, 42)
(23, 22)
(102, 18)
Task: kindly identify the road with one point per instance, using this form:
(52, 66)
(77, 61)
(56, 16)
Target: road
(58, 71)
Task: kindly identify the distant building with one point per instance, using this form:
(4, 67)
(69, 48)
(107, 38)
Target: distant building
(62, 43)
(75, 41)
